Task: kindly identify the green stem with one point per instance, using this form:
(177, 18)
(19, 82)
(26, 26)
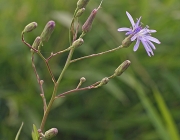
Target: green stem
(97, 54)
(55, 89)
(66, 65)
(46, 113)
(71, 29)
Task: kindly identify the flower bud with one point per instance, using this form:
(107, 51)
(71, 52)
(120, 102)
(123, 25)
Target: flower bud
(48, 29)
(83, 79)
(78, 42)
(51, 133)
(80, 12)
(31, 26)
(104, 81)
(127, 41)
(122, 68)
(88, 24)
(36, 42)
(82, 3)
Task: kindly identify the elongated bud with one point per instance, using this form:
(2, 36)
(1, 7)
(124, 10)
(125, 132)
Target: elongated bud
(31, 26)
(36, 42)
(51, 133)
(77, 43)
(88, 24)
(48, 29)
(82, 3)
(122, 68)
(127, 41)
(80, 12)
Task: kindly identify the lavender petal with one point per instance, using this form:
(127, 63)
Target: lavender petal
(124, 29)
(130, 19)
(153, 39)
(136, 46)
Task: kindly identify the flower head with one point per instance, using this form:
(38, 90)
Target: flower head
(140, 34)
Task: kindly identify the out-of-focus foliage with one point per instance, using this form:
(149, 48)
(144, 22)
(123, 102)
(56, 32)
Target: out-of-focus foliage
(142, 104)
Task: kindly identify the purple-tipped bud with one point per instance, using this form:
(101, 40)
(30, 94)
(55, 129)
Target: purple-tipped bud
(82, 3)
(51, 133)
(77, 43)
(48, 29)
(36, 42)
(31, 26)
(88, 24)
(122, 68)
(80, 12)
(127, 41)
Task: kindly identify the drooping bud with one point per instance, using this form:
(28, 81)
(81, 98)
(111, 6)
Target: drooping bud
(51, 133)
(127, 41)
(77, 43)
(36, 42)
(48, 29)
(80, 12)
(88, 24)
(31, 26)
(122, 68)
(82, 3)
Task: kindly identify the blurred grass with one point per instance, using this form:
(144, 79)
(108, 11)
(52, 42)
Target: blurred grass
(143, 104)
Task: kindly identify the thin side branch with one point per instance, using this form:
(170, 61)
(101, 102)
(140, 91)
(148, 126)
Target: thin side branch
(39, 82)
(27, 44)
(97, 54)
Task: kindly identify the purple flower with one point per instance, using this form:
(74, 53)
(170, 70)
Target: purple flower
(140, 34)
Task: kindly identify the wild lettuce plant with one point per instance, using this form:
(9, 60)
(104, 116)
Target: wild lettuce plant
(135, 33)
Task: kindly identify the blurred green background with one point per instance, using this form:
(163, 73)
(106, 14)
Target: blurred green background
(142, 104)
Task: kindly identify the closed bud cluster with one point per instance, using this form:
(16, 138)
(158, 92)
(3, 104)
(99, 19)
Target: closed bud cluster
(31, 26)
(51, 133)
(80, 12)
(127, 41)
(82, 3)
(48, 29)
(36, 42)
(77, 43)
(122, 68)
